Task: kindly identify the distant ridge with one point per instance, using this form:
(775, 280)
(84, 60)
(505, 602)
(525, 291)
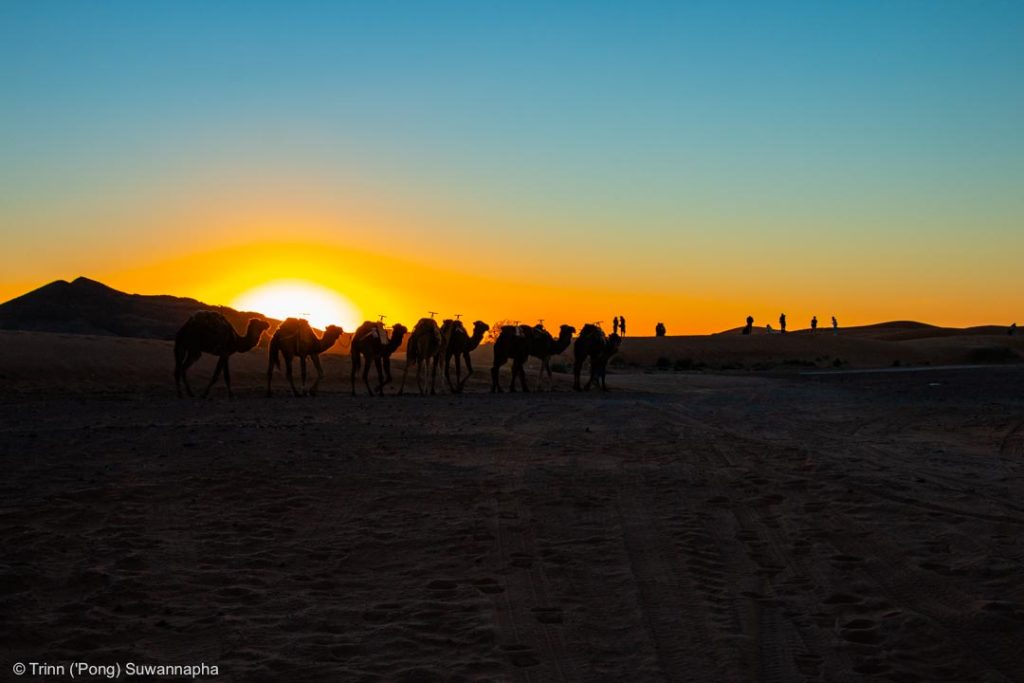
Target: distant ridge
(893, 330)
(85, 306)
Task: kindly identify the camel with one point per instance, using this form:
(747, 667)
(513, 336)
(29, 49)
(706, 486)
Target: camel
(372, 342)
(423, 347)
(513, 343)
(599, 348)
(543, 346)
(294, 338)
(210, 332)
(458, 344)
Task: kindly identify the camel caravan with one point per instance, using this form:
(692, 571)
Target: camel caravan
(429, 347)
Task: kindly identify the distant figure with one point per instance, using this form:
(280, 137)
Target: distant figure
(768, 329)
(750, 324)
(782, 323)
(622, 325)
(835, 326)
(615, 325)
(814, 323)
(659, 330)
(1012, 330)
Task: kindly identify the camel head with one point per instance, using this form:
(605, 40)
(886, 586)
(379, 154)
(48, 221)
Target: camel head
(612, 345)
(480, 328)
(331, 334)
(253, 331)
(256, 328)
(398, 332)
(566, 331)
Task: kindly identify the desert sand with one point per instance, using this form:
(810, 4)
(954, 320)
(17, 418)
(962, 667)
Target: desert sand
(702, 526)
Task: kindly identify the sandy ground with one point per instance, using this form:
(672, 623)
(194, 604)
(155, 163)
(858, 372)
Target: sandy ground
(684, 526)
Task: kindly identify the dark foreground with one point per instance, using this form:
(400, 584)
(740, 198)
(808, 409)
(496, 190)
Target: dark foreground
(707, 528)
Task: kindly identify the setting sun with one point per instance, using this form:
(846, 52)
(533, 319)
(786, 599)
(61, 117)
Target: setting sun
(282, 299)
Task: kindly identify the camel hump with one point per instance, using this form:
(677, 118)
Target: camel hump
(593, 330)
(294, 326)
(211, 321)
(425, 325)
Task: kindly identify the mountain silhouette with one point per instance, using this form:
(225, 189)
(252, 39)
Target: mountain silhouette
(85, 306)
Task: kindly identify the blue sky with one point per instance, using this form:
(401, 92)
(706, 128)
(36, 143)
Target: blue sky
(657, 132)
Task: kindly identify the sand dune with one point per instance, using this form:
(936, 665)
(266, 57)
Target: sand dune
(685, 526)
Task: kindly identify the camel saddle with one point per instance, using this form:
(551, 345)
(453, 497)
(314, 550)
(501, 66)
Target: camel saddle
(378, 331)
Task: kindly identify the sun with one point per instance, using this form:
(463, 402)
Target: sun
(281, 299)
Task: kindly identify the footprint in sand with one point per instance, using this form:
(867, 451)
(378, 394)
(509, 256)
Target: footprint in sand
(548, 615)
(488, 586)
(520, 655)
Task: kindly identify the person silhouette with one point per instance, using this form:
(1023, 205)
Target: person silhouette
(782, 323)
(1012, 330)
(622, 325)
(814, 323)
(615, 325)
(750, 324)
(835, 326)
(659, 330)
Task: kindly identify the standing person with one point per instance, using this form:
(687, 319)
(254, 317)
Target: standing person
(750, 324)
(835, 326)
(615, 325)
(814, 323)
(782, 323)
(1012, 330)
(622, 325)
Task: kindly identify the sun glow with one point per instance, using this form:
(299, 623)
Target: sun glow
(282, 299)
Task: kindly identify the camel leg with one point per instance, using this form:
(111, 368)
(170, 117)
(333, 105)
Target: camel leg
(405, 373)
(433, 375)
(593, 375)
(448, 372)
(302, 366)
(354, 369)
(419, 377)
(577, 369)
(387, 371)
(227, 376)
(179, 360)
(458, 374)
(522, 377)
(288, 374)
(319, 373)
(216, 374)
(540, 375)
(515, 374)
(495, 370)
(379, 363)
(186, 364)
(366, 377)
(469, 371)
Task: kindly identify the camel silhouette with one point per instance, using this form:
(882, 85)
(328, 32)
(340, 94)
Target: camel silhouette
(595, 345)
(543, 346)
(424, 347)
(513, 343)
(458, 344)
(372, 343)
(210, 332)
(295, 338)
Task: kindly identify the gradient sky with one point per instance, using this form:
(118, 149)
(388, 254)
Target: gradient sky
(690, 162)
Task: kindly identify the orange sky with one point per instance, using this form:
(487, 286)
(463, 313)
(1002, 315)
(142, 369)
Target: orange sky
(678, 163)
